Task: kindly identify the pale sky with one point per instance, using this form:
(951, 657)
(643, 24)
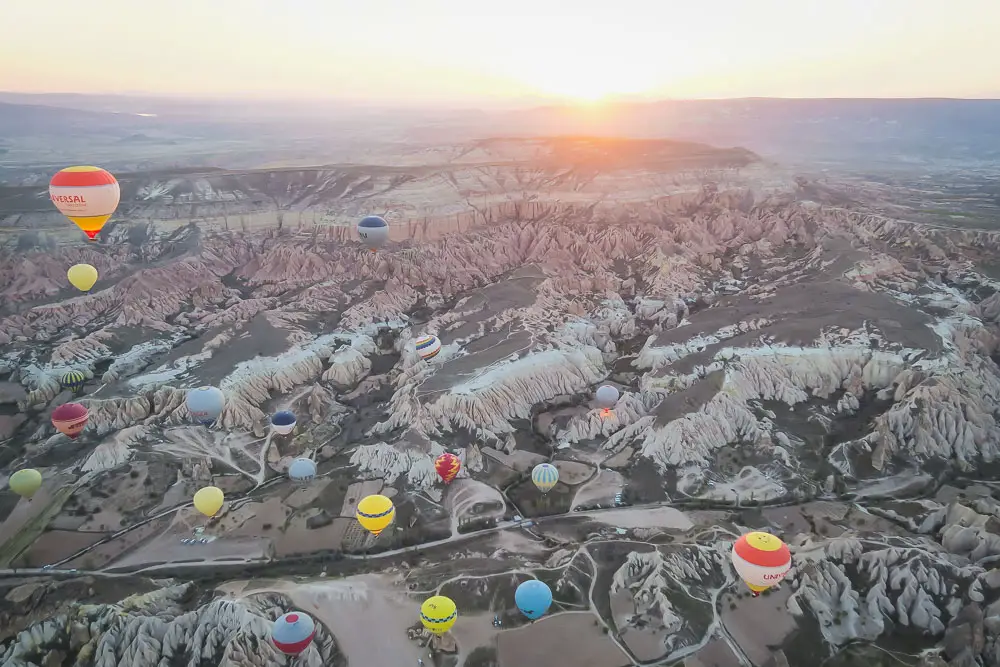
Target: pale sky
(450, 50)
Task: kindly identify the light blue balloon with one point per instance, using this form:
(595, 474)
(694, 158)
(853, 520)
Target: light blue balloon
(302, 469)
(205, 404)
(533, 598)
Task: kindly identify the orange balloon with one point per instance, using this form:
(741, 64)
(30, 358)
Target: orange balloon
(86, 195)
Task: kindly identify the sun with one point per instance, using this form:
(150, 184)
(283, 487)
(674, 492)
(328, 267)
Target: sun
(591, 81)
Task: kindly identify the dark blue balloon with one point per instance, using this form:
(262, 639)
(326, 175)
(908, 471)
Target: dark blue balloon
(283, 418)
(533, 598)
(372, 222)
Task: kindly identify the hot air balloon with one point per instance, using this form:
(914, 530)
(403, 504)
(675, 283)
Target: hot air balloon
(447, 466)
(70, 418)
(209, 500)
(283, 422)
(88, 196)
(302, 470)
(761, 559)
(205, 404)
(82, 276)
(607, 397)
(374, 232)
(25, 482)
(533, 598)
(73, 380)
(438, 614)
(375, 513)
(293, 633)
(545, 476)
(428, 347)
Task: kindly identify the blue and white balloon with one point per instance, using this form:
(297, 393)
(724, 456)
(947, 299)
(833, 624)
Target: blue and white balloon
(373, 231)
(283, 422)
(302, 470)
(205, 404)
(545, 476)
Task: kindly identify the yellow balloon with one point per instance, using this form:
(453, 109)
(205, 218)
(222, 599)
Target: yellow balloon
(375, 513)
(82, 276)
(25, 482)
(209, 500)
(438, 614)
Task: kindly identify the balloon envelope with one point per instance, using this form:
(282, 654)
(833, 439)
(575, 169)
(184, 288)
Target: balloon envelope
(25, 482)
(374, 232)
(545, 476)
(447, 466)
(82, 276)
(73, 380)
(607, 396)
(292, 633)
(438, 614)
(761, 559)
(302, 469)
(428, 346)
(375, 513)
(205, 404)
(209, 500)
(533, 598)
(283, 422)
(70, 418)
(86, 195)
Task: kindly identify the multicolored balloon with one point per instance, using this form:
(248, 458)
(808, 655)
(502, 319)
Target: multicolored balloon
(70, 418)
(447, 466)
(205, 404)
(283, 422)
(293, 633)
(533, 598)
(607, 397)
(761, 559)
(375, 513)
(438, 614)
(428, 347)
(209, 500)
(374, 232)
(82, 276)
(73, 380)
(545, 476)
(88, 196)
(302, 470)
(25, 482)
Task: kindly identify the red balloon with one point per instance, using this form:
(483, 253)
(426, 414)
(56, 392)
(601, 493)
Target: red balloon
(70, 418)
(447, 466)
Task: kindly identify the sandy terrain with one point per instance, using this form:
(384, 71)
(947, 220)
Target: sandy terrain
(518, 460)
(715, 653)
(573, 472)
(757, 623)
(657, 517)
(353, 608)
(600, 490)
(169, 549)
(545, 643)
(356, 492)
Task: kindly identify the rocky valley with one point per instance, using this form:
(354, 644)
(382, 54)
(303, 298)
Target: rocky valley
(809, 355)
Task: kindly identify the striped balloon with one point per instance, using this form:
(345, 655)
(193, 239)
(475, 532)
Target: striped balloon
(73, 380)
(428, 347)
(545, 476)
(761, 559)
(86, 195)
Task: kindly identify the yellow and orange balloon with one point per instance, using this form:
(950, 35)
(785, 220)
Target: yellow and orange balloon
(88, 196)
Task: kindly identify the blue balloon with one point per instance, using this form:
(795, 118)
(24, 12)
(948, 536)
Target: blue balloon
(302, 469)
(533, 598)
(293, 632)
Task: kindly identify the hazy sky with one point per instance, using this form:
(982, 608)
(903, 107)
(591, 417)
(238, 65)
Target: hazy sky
(448, 50)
